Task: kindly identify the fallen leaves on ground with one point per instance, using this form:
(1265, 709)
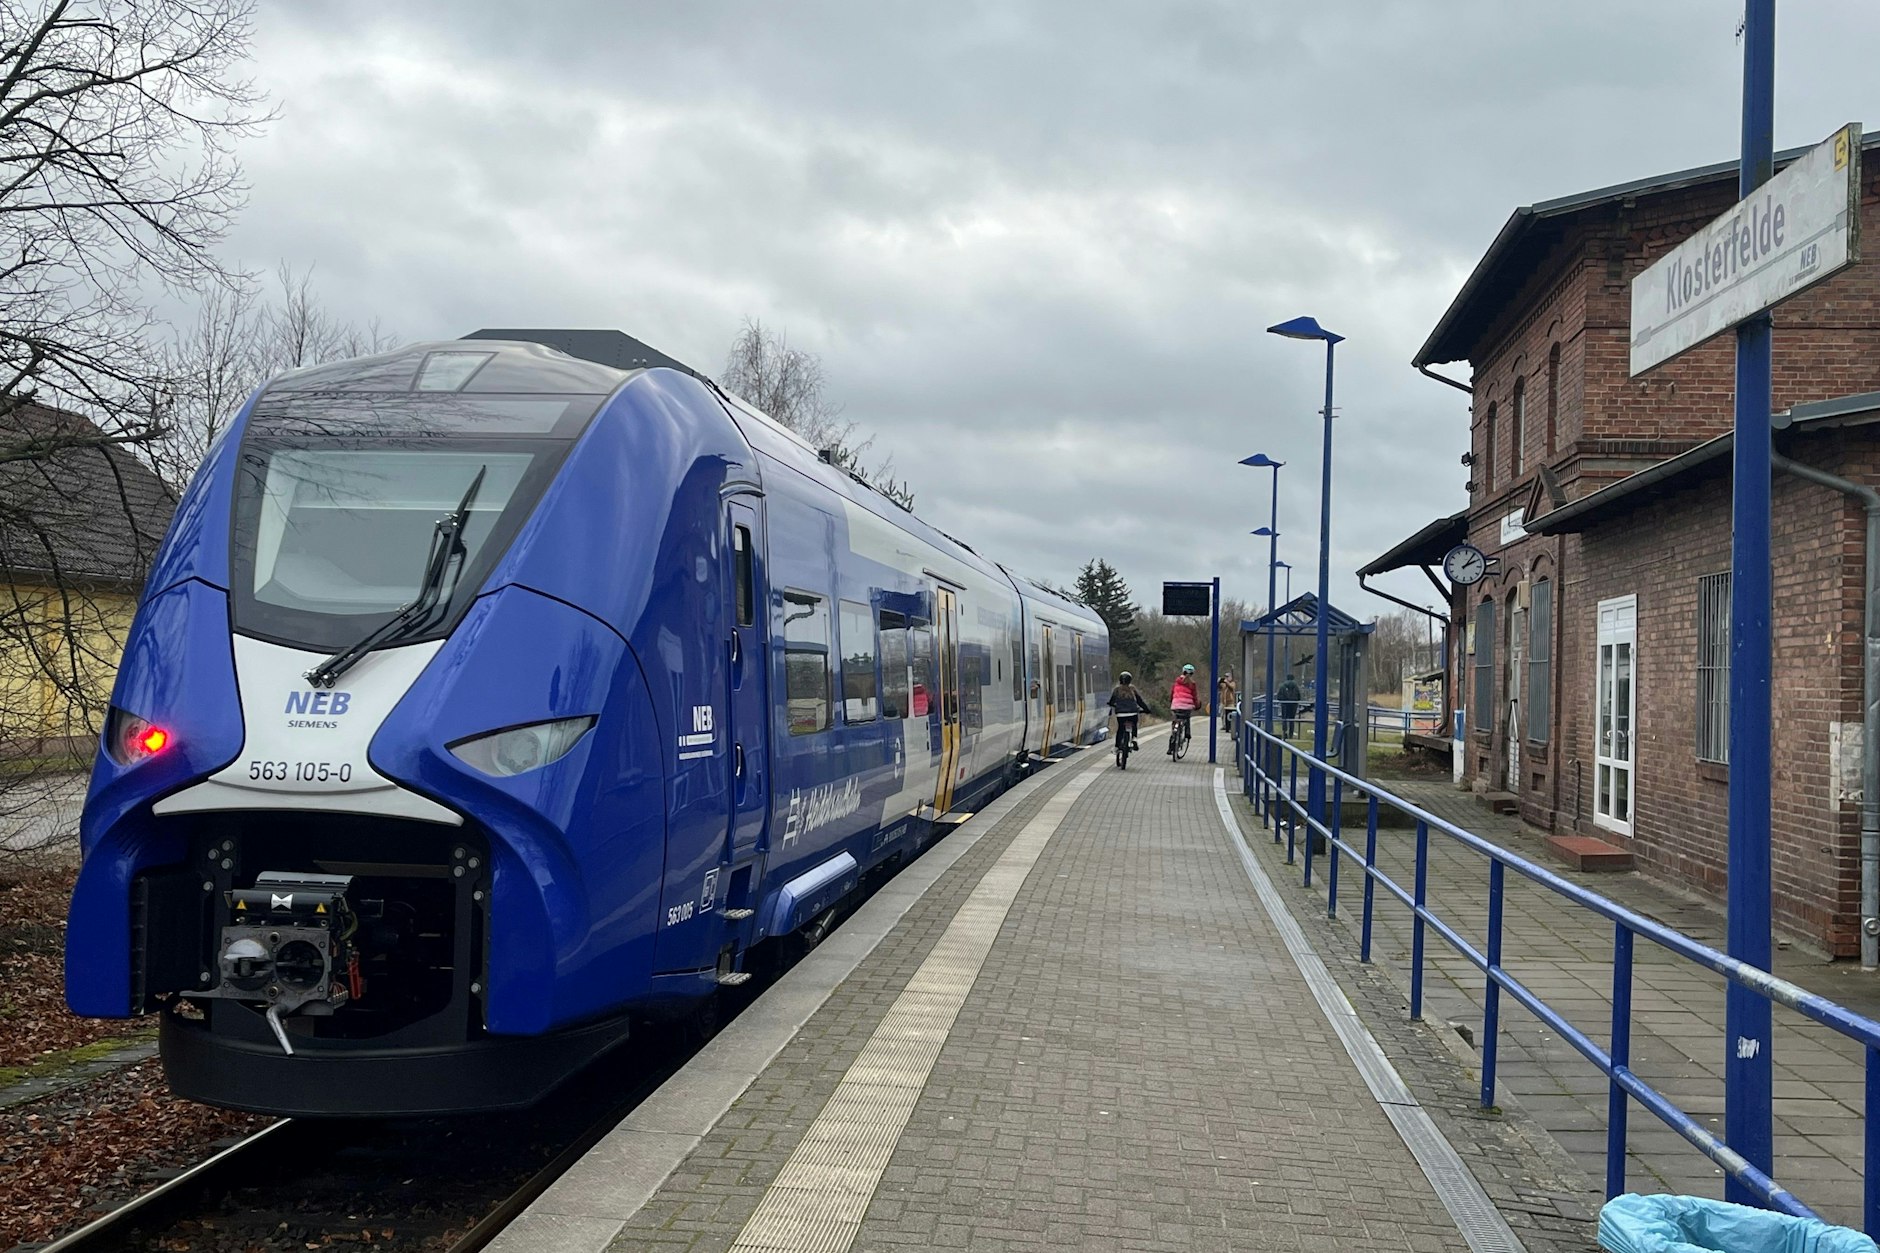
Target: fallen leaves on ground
(87, 1146)
(34, 1021)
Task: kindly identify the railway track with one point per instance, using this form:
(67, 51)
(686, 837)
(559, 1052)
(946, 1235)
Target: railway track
(404, 1186)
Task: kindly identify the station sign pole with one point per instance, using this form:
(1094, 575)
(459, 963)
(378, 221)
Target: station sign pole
(1748, 1067)
(1214, 674)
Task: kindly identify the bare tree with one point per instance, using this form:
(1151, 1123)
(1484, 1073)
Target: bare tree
(116, 175)
(117, 183)
(237, 343)
(788, 384)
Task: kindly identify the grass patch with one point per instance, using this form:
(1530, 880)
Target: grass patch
(65, 1059)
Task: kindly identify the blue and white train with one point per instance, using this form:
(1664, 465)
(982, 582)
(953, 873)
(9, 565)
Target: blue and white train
(486, 702)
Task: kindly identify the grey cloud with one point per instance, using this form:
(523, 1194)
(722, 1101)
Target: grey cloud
(1036, 244)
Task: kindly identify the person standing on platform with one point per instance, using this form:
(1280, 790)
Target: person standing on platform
(1289, 695)
(1227, 696)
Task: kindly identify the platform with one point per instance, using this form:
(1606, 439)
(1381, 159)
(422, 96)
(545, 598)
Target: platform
(1087, 1020)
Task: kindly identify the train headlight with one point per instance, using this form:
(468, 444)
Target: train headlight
(130, 739)
(518, 749)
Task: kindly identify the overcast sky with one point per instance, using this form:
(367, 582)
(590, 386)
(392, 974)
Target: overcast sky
(1036, 245)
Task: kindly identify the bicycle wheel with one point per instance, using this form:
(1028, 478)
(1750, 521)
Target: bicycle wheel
(1122, 750)
(1181, 737)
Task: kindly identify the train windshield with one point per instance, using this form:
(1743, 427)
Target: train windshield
(332, 540)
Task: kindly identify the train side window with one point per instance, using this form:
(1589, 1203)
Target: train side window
(895, 679)
(806, 676)
(1018, 666)
(746, 574)
(920, 661)
(858, 662)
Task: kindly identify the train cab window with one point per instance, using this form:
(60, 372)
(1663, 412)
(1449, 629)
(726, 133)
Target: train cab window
(806, 675)
(745, 574)
(896, 678)
(858, 662)
(920, 662)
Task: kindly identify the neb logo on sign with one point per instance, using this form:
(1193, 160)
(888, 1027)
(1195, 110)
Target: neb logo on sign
(318, 702)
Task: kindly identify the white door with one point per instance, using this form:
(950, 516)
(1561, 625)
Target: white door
(1616, 700)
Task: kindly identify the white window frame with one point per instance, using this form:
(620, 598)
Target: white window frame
(1616, 623)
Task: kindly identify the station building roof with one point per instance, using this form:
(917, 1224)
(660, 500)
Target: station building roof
(1712, 457)
(1532, 231)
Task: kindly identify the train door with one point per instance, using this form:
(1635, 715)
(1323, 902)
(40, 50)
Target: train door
(947, 631)
(747, 711)
(1048, 672)
(1077, 659)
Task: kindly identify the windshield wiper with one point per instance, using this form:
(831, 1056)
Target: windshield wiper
(446, 546)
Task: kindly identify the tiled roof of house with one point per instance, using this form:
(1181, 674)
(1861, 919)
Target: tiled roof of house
(81, 509)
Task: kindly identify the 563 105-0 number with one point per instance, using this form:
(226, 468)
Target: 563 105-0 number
(301, 771)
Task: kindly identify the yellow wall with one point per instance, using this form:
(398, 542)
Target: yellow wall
(58, 655)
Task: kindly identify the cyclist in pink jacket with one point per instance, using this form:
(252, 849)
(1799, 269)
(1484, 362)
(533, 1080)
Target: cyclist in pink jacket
(1183, 699)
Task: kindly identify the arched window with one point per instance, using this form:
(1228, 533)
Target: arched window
(1540, 660)
(1488, 452)
(1517, 427)
(1484, 693)
(1553, 398)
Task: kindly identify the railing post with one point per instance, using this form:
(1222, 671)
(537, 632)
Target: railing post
(1316, 770)
(1491, 995)
(1338, 827)
(1370, 878)
(1416, 920)
(1621, 1059)
(1292, 809)
(1872, 1172)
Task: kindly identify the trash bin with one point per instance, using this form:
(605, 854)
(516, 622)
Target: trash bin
(1689, 1224)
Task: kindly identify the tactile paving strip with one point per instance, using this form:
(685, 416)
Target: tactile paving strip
(819, 1197)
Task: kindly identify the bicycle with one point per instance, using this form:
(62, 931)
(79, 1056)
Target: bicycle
(1179, 734)
(1125, 738)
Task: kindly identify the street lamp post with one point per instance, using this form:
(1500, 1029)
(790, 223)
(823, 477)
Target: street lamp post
(1260, 461)
(1308, 328)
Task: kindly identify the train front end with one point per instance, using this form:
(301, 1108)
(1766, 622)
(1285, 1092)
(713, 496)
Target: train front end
(376, 826)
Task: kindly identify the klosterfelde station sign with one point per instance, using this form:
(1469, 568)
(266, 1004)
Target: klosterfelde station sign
(1793, 231)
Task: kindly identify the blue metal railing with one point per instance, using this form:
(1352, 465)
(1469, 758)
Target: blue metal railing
(1402, 722)
(1269, 769)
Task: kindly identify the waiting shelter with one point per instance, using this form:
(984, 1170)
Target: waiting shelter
(1289, 635)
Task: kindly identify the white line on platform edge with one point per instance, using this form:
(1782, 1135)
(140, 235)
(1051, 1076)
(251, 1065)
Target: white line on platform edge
(1480, 1223)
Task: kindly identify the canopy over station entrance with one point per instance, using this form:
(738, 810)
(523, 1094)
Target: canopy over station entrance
(1289, 635)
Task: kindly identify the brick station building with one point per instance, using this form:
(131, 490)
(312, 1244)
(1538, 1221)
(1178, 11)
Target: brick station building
(1591, 665)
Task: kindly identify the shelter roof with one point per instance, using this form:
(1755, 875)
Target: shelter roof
(1427, 547)
(1300, 616)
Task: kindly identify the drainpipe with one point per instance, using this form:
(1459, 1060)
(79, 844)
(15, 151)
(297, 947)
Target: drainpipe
(1428, 373)
(1870, 713)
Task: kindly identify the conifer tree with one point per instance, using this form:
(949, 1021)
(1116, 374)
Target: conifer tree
(1103, 589)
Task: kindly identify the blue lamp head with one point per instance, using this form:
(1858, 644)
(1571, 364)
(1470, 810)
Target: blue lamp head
(1265, 530)
(1304, 328)
(1283, 565)
(1261, 461)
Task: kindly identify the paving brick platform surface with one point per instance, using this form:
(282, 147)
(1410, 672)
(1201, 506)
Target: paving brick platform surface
(1564, 954)
(1138, 1065)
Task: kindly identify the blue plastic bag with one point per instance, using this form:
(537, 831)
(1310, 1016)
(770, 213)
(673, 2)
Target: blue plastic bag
(1689, 1224)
